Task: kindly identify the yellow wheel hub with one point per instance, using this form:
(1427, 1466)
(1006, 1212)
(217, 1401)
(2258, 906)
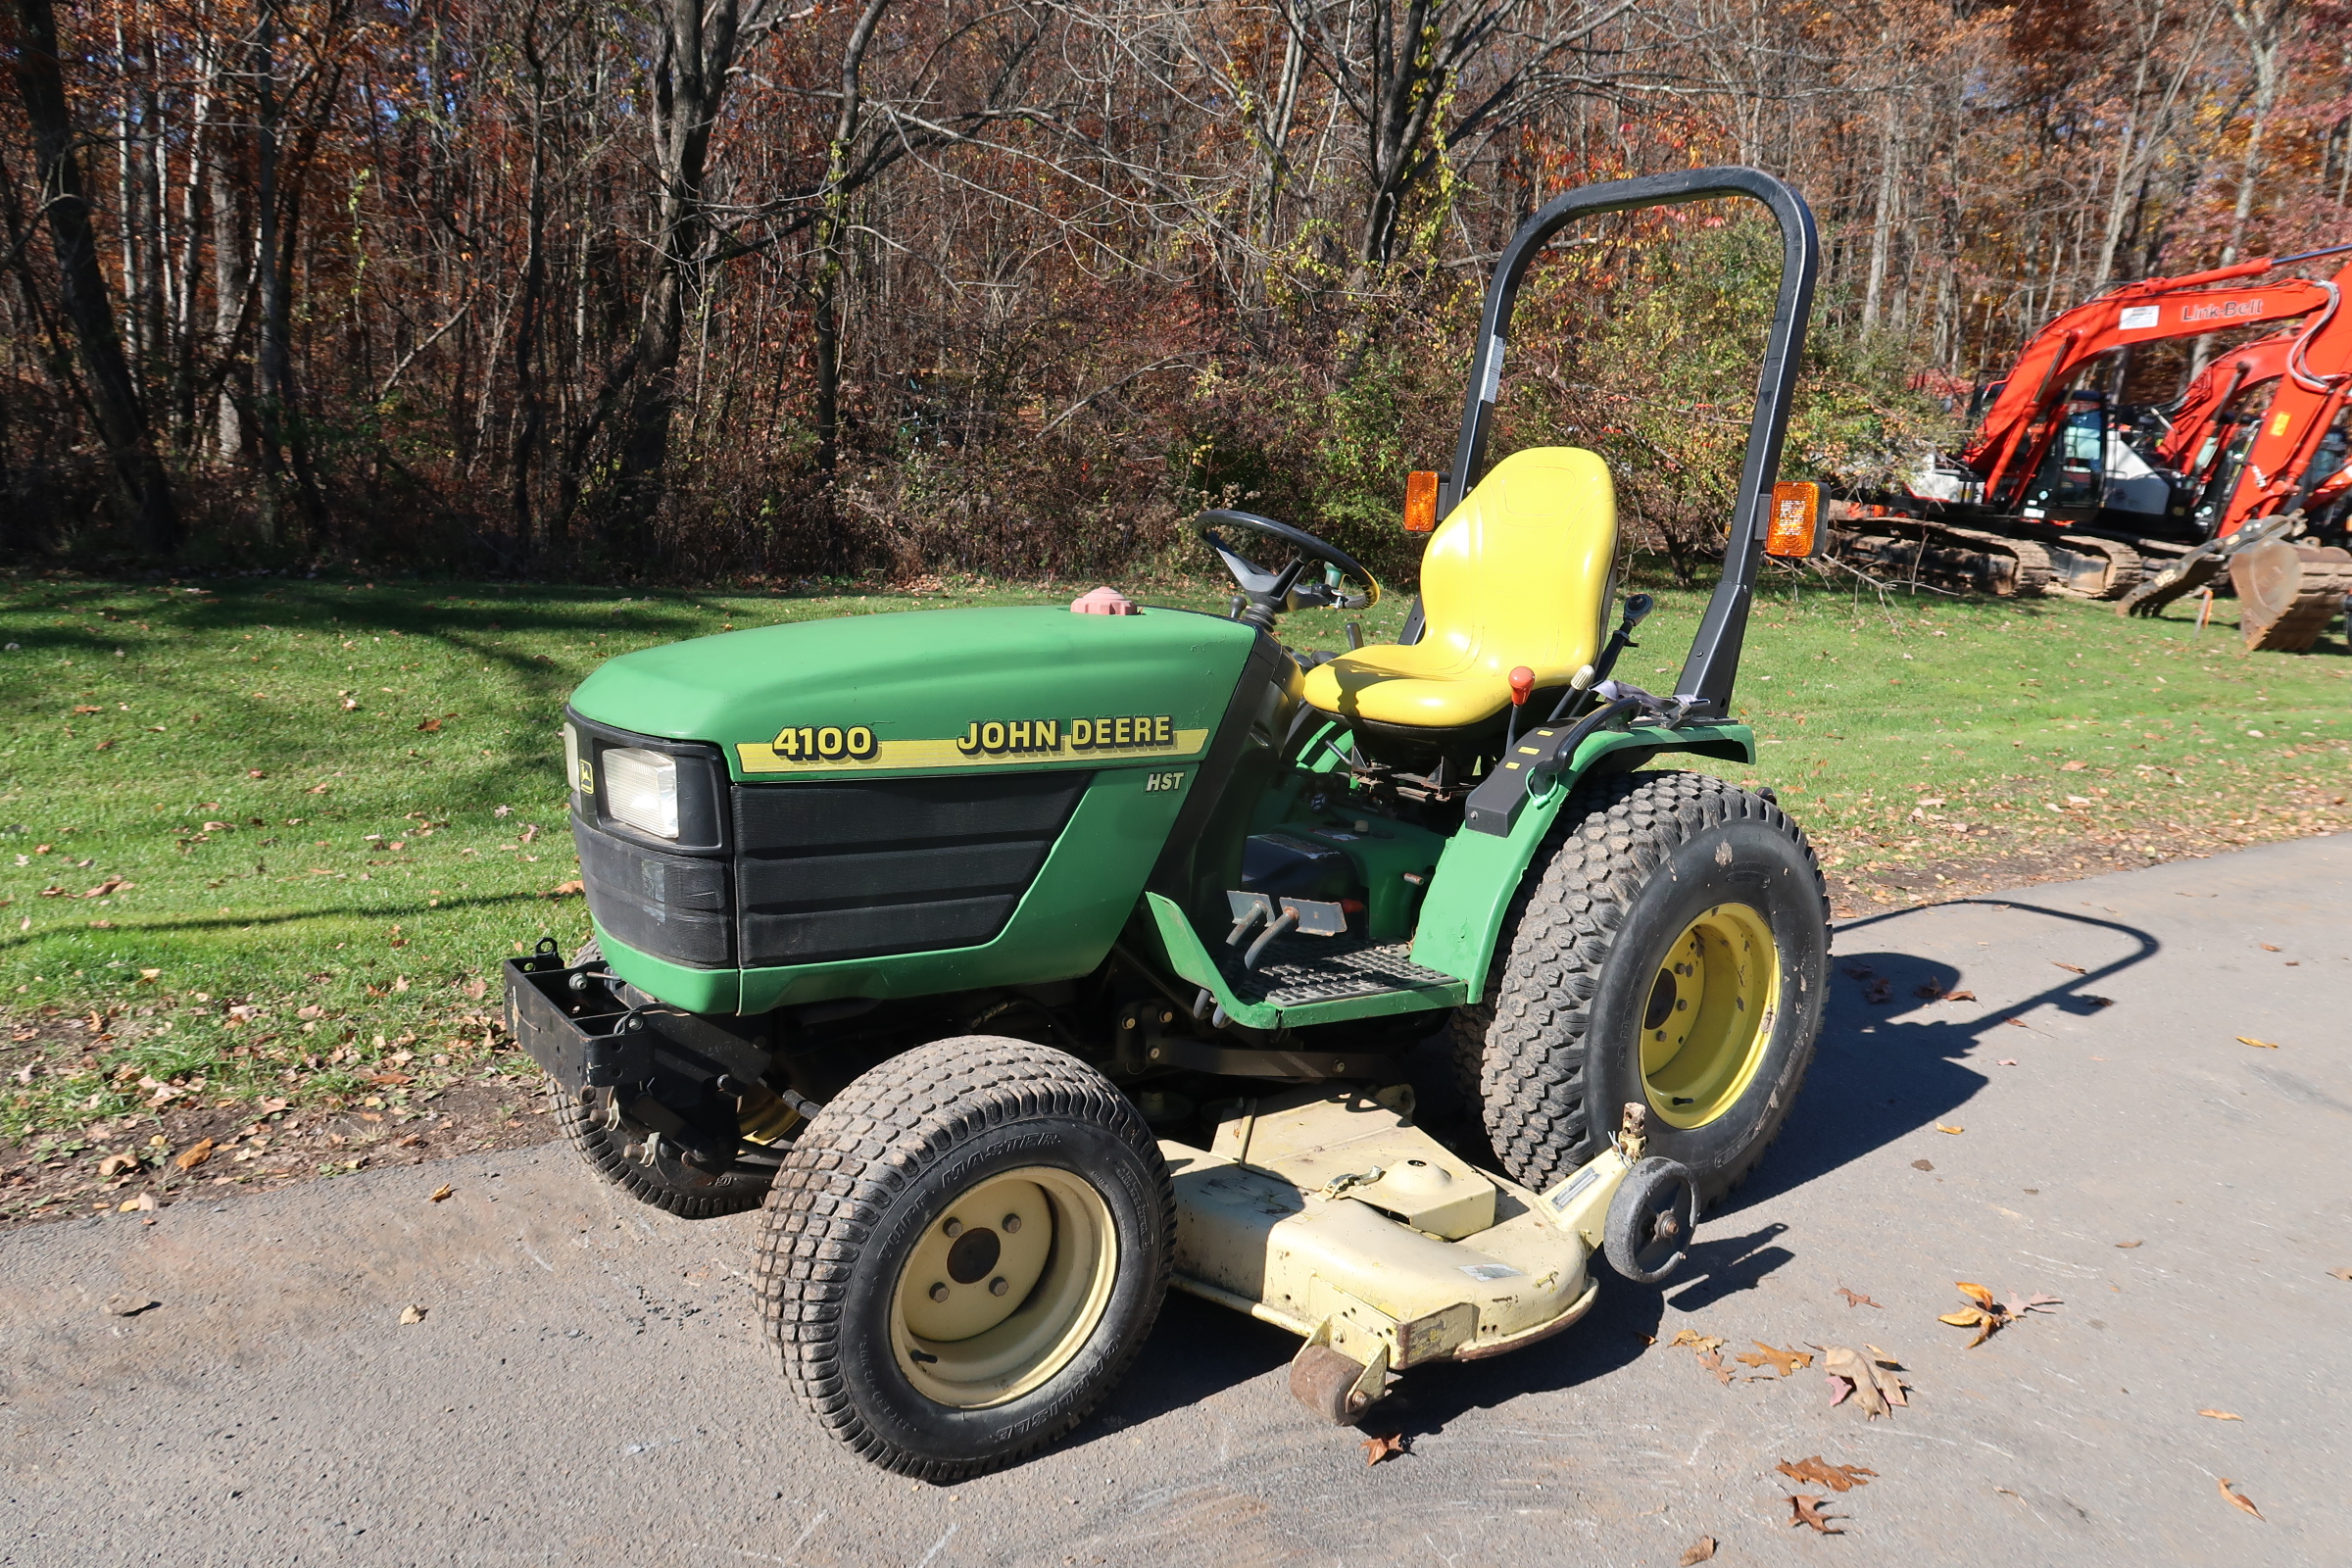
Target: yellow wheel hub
(1006, 1284)
(1709, 1015)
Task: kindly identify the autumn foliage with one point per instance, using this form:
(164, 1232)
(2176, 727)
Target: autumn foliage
(728, 286)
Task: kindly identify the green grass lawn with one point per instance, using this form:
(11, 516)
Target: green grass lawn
(270, 837)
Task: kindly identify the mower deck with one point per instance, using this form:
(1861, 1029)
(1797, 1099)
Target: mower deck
(1329, 1214)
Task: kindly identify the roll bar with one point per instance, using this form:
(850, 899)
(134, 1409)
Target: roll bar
(1714, 663)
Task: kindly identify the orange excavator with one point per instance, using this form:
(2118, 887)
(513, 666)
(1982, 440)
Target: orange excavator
(2059, 492)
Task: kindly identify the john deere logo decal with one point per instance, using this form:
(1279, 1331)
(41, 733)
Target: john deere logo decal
(846, 747)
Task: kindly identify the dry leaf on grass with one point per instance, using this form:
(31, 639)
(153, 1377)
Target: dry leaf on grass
(194, 1154)
(2261, 1044)
(1874, 1381)
(142, 1203)
(1857, 1299)
(2222, 1415)
(1788, 1361)
(1818, 1472)
(1941, 1128)
(1807, 1511)
(1701, 1550)
(412, 1314)
(1379, 1449)
(2239, 1499)
(441, 1193)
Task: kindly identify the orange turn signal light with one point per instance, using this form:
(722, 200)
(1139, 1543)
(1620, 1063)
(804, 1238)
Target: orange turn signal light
(1795, 521)
(1420, 501)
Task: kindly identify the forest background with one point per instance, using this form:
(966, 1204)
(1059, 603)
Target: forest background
(756, 289)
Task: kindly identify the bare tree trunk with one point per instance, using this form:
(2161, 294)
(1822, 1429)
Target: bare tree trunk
(825, 305)
(122, 421)
(1881, 228)
(529, 427)
(690, 84)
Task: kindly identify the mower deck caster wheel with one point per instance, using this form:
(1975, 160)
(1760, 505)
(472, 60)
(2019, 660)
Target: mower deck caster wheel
(1325, 1382)
(1650, 1221)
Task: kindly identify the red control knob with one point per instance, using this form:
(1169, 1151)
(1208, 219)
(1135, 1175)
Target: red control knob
(1523, 681)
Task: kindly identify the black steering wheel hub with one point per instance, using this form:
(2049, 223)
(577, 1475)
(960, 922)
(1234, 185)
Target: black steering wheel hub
(1291, 586)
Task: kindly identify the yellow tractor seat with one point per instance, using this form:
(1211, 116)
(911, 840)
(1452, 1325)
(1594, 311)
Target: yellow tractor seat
(1518, 575)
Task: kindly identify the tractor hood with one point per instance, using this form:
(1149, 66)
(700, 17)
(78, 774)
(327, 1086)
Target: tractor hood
(927, 691)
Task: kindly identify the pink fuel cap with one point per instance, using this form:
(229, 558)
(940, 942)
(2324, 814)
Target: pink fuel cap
(1102, 601)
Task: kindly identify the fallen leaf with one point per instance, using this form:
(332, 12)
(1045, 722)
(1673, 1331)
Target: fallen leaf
(2249, 1040)
(441, 1193)
(412, 1314)
(1941, 1128)
(1379, 1449)
(2340, 1273)
(1922, 1164)
(2032, 1303)
(194, 1154)
(2069, 968)
(2237, 1499)
(140, 1204)
(113, 1163)
(1959, 996)
(129, 1305)
(428, 727)
(2098, 1002)
(1878, 991)
(2266, 947)
(1861, 972)
(1696, 1341)
(1701, 1550)
(2006, 1062)
(2017, 1023)
(565, 889)
(1818, 1472)
(1807, 1511)
(1788, 1361)
(1713, 1362)
(2222, 1415)
(1856, 1299)
(2128, 1246)
(2070, 768)
(1875, 1381)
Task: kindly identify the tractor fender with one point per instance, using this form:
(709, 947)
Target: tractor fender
(1478, 873)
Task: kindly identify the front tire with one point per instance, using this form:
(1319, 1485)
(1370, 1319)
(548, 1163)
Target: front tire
(962, 1254)
(1668, 948)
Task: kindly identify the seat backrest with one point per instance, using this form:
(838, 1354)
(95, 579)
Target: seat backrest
(1519, 572)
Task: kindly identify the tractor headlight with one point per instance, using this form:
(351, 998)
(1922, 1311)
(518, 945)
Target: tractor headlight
(641, 789)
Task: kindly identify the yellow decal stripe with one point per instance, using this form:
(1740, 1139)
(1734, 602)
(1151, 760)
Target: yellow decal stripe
(759, 757)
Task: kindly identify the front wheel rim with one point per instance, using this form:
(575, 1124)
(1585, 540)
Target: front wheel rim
(1006, 1284)
(1708, 1015)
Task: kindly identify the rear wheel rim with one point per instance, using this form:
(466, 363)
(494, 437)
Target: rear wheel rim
(1708, 1015)
(1003, 1287)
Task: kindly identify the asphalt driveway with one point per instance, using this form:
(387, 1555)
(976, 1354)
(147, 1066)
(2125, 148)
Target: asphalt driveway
(588, 1385)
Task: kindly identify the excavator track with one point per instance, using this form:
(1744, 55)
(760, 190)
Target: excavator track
(2090, 567)
(1946, 557)
(2288, 593)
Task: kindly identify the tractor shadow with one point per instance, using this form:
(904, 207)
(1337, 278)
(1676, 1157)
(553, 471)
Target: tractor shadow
(1895, 1048)
(1894, 1057)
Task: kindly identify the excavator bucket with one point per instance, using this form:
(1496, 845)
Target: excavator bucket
(2288, 593)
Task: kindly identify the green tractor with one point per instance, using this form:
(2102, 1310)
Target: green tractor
(1026, 961)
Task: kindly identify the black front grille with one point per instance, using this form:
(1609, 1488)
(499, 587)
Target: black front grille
(671, 906)
(829, 871)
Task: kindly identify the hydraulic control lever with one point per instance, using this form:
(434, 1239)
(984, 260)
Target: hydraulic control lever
(1637, 609)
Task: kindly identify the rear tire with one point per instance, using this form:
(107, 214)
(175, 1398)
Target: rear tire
(1655, 892)
(918, 1322)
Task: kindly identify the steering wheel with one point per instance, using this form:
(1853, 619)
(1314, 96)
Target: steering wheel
(1289, 587)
